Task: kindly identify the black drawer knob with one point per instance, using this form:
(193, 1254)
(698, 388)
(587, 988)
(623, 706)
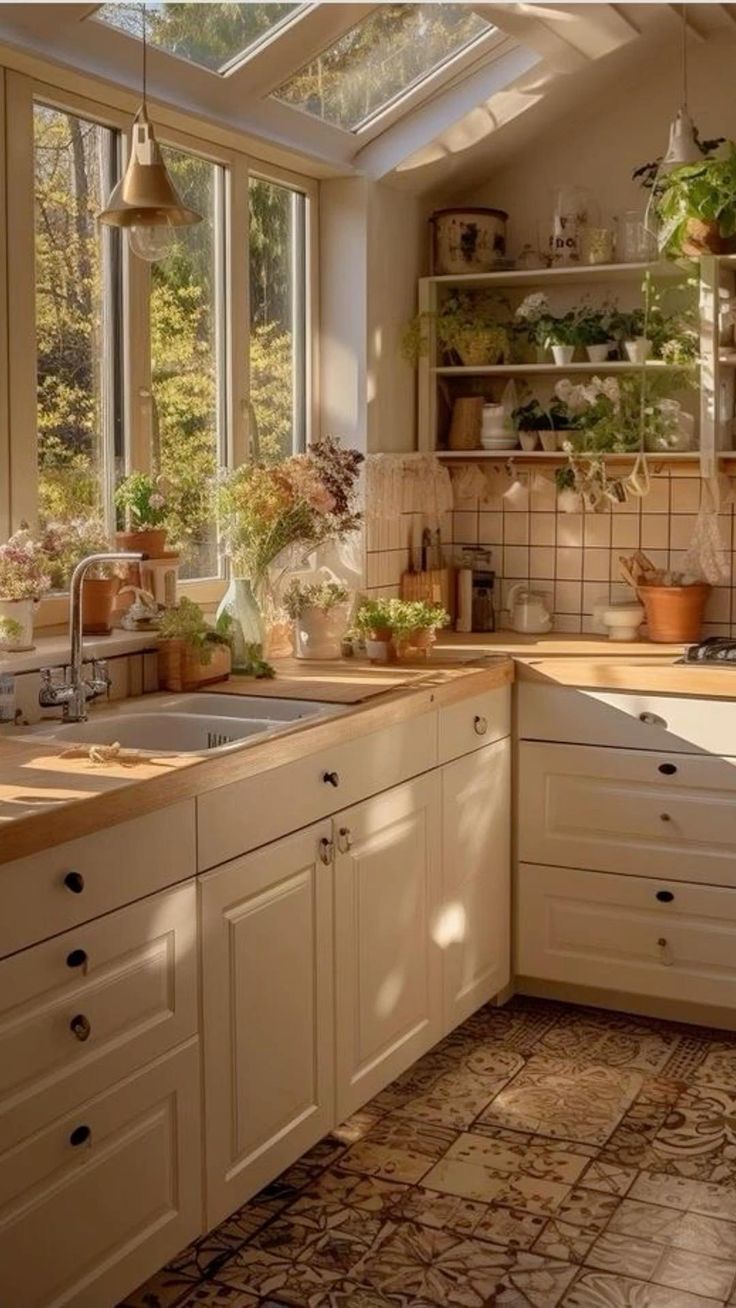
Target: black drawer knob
(665, 896)
(74, 881)
(80, 1026)
(77, 958)
(480, 724)
(665, 817)
(331, 779)
(668, 769)
(80, 1135)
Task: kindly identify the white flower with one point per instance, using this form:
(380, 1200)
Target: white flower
(611, 390)
(563, 389)
(534, 307)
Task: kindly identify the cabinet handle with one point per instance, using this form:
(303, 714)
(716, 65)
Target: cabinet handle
(665, 896)
(325, 851)
(652, 720)
(344, 840)
(80, 1135)
(480, 724)
(77, 958)
(80, 1027)
(331, 779)
(74, 881)
(664, 951)
(669, 769)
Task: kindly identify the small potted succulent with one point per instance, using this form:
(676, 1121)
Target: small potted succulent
(191, 652)
(319, 611)
(141, 501)
(66, 544)
(399, 628)
(24, 578)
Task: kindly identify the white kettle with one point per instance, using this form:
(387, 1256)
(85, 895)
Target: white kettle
(528, 612)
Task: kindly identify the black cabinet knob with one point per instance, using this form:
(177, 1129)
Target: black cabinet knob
(331, 779)
(665, 896)
(668, 769)
(80, 1026)
(77, 958)
(80, 1135)
(74, 881)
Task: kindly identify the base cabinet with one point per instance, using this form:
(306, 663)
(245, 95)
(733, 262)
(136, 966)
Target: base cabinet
(267, 976)
(99, 1199)
(388, 967)
(473, 924)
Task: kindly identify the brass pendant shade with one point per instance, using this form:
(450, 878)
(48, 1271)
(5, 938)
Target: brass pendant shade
(146, 196)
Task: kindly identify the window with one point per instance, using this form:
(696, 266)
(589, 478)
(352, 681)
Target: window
(278, 363)
(187, 362)
(215, 36)
(78, 318)
(381, 58)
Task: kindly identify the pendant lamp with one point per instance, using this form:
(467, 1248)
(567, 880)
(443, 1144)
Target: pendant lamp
(683, 146)
(145, 201)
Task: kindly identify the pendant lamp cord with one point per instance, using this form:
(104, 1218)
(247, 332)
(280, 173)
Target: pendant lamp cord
(145, 55)
(684, 56)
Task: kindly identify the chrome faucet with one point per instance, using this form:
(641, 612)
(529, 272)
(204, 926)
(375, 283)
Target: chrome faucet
(72, 695)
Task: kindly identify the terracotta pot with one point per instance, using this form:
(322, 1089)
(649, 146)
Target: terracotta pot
(98, 599)
(703, 237)
(152, 543)
(180, 666)
(674, 613)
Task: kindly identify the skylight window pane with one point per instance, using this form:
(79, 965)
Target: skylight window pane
(212, 35)
(386, 54)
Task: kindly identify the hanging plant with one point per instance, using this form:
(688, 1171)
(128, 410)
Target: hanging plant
(696, 208)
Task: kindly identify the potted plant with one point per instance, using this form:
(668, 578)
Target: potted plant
(24, 578)
(65, 545)
(319, 611)
(534, 320)
(394, 628)
(191, 652)
(614, 415)
(696, 207)
(141, 501)
(594, 332)
(470, 326)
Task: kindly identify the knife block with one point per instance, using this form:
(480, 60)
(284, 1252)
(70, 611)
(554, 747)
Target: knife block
(436, 586)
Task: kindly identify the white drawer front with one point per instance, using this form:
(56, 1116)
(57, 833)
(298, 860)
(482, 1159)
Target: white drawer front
(82, 1224)
(628, 811)
(601, 717)
(473, 723)
(50, 892)
(82, 1010)
(626, 934)
(247, 814)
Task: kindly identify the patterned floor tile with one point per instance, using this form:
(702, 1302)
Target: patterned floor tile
(609, 1178)
(609, 1038)
(459, 1096)
(446, 1212)
(588, 1208)
(398, 1149)
(565, 1241)
(164, 1290)
(625, 1254)
(510, 1226)
(470, 1168)
(718, 1068)
(565, 1100)
(349, 1190)
(683, 1270)
(698, 1136)
(210, 1295)
(708, 1235)
(602, 1290)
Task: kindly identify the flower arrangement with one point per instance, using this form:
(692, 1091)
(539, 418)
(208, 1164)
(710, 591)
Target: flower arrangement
(322, 595)
(24, 568)
(470, 326)
(305, 501)
(66, 543)
(617, 414)
(595, 326)
(142, 501)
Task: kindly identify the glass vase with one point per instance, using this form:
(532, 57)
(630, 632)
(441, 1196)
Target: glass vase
(247, 630)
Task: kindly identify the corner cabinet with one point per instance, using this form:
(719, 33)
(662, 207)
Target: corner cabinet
(267, 976)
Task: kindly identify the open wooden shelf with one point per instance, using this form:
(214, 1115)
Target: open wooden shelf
(584, 273)
(542, 369)
(559, 456)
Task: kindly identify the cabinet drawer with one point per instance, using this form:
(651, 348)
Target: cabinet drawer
(134, 998)
(103, 1196)
(50, 892)
(242, 816)
(598, 717)
(631, 934)
(628, 811)
(473, 723)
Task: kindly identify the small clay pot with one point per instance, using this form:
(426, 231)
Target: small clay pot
(704, 237)
(152, 543)
(98, 599)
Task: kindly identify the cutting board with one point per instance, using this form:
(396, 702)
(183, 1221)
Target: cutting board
(436, 586)
(333, 683)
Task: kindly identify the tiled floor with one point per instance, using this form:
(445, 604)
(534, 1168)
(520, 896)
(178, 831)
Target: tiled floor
(542, 1155)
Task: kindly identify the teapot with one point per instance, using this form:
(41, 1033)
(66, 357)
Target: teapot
(528, 612)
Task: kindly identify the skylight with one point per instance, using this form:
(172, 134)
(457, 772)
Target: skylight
(215, 36)
(385, 55)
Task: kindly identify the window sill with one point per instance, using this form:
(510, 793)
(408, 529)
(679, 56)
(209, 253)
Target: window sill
(53, 650)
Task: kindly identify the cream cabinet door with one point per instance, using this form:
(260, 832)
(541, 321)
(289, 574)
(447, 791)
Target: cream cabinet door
(267, 975)
(473, 925)
(388, 968)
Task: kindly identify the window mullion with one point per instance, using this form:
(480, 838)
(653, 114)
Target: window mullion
(4, 426)
(22, 414)
(137, 384)
(238, 311)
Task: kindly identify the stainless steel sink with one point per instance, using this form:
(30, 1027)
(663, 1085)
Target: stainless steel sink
(194, 724)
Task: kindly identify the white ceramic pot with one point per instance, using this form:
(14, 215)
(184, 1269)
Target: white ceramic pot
(549, 441)
(318, 634)
(528, 440)
(638, 350)
(598, 353)
(563, 354)
(622, 621)
(20, 611)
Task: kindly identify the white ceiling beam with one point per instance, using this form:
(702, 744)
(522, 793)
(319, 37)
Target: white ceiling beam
(566, 35)
(415, 131)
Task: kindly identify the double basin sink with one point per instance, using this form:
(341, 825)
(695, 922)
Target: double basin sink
(198, 723)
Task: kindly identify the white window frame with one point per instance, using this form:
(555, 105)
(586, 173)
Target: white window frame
(18, 417)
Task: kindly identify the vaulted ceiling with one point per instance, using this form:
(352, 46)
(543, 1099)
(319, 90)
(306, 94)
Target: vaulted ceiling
(526, 65)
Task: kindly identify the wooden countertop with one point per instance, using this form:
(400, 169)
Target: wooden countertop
(46, 799)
